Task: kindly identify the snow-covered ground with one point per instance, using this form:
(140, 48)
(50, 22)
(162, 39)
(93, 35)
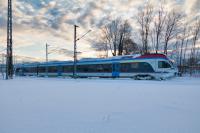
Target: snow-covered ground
(39, 105)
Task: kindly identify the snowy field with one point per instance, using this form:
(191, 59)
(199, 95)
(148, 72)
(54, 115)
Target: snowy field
(39, 105)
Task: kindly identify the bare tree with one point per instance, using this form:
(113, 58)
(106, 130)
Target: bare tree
(159, 25)
(125, 35)
(195, 34)
(111, 32)
(113, 37)
(102, 48)
(144, 20)
(183, 40)
(171, 27)
(130, 47)
(187, 35)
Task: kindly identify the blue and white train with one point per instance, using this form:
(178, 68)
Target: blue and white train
(149, 66)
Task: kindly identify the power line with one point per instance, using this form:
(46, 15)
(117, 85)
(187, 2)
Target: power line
(2, 50)
(83, 35)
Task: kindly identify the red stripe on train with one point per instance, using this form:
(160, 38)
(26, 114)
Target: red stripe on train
(153, 56)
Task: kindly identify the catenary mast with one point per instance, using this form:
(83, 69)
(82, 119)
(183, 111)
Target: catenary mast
(9, 57)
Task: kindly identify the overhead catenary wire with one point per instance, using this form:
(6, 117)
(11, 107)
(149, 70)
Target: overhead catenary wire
(2, 50)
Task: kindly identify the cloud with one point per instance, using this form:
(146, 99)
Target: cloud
(36, 22)
(192, 6)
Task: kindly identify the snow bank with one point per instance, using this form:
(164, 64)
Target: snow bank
(36, 105)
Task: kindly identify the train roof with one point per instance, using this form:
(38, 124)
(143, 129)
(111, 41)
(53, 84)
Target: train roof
(153, 56)
(100, 60)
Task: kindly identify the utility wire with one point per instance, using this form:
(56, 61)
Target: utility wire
(83, 35)
(3, 50)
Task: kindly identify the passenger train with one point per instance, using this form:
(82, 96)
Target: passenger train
(149, 66)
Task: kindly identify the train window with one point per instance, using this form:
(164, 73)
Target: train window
(34, 69)
(99, 68)
(94, 68)
(136, 67)
(18, 70)
(30, 69)
(125, 67)
(83, 68)
(68, 69)
(107, 67)
(146, 67)
(52, 69)
(129, 67)
(87, 68)
(41, 69)
(163, 64)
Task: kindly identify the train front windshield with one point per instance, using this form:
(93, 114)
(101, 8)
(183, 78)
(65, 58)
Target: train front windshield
(164, 64)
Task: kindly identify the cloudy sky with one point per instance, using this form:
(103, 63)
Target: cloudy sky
(37, 22)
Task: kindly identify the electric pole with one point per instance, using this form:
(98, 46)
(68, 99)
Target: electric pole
(9, 57)
(75, 53)
(47, 60)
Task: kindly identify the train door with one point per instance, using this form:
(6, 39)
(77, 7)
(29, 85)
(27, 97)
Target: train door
(115, 70)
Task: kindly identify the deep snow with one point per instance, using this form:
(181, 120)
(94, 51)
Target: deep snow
(39, 105)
